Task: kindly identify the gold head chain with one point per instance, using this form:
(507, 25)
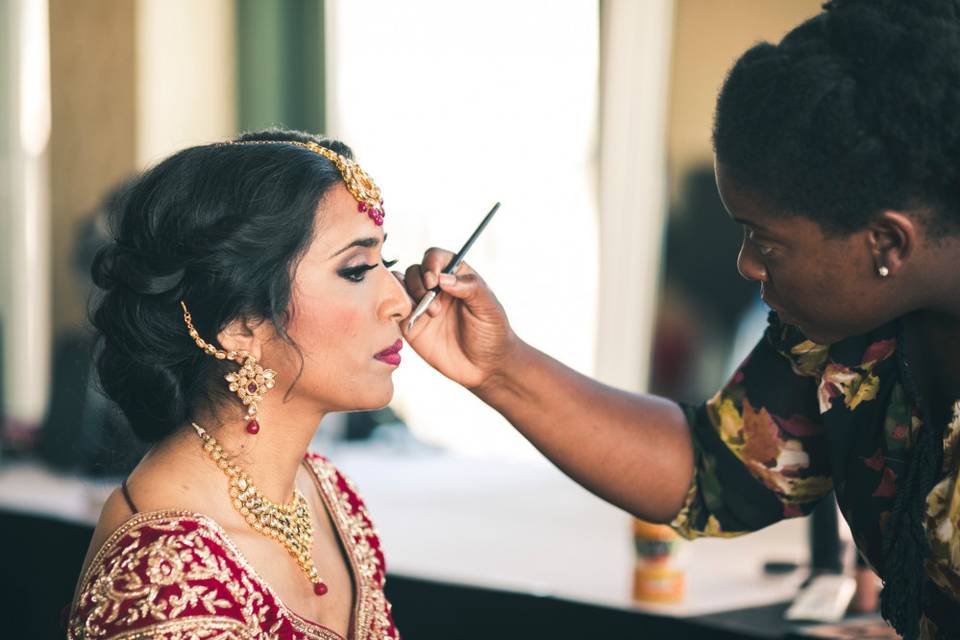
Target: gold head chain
(358, 182)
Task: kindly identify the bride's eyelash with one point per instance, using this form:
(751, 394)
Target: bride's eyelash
(358, 273)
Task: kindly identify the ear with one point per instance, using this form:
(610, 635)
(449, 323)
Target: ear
(243, 334)
(893, 236)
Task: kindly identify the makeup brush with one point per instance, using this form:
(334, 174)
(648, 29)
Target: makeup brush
(450, 268)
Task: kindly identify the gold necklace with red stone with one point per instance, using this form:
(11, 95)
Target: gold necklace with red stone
(289, 524)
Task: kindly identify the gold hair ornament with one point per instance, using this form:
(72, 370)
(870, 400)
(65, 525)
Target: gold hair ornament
(359, 183)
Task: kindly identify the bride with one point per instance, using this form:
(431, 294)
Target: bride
(244, 297)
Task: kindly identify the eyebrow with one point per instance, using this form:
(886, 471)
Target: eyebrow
(366, 243)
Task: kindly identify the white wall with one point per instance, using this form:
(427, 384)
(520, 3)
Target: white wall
(185, 75)
(24, 206)
(636, 40)
(453, 106)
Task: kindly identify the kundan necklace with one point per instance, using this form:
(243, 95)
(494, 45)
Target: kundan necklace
(289, 524)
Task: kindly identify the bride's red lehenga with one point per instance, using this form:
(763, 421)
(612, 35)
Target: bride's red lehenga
(176, 575)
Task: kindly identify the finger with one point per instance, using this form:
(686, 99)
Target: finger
(413, 280)
(436, 260)
(435, 308)
(412, 333)
(465, 287)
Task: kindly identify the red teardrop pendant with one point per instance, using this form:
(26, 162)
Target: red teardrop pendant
(253, 427)
(320, 589)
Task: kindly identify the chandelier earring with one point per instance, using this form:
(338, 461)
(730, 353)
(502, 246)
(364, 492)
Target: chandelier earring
(250, 382)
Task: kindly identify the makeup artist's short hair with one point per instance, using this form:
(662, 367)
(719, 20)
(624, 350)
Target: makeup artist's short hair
(221, 227)
(855, 111)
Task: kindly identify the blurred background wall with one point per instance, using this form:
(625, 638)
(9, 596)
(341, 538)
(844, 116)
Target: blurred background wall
(590, 120)
(524, 120)
(708, 36)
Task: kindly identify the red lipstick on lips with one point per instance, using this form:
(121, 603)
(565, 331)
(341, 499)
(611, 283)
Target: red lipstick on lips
(391, 355)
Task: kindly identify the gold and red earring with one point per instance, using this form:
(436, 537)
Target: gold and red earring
(250, 382)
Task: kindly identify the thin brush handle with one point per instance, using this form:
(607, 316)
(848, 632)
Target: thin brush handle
(457, 259)
(451, 267)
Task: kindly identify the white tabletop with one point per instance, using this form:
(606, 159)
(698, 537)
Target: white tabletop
(520, 526)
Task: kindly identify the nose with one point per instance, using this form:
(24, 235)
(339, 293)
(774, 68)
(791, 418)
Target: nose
(395, 303)
(749, 266)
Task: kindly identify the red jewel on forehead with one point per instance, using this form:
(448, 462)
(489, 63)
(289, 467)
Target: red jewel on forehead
(360, 185)
(374, 212)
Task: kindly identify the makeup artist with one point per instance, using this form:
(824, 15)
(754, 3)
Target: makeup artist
(838, 151)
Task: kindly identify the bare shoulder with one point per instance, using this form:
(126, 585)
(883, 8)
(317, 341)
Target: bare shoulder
(114, 513)
(157, 484)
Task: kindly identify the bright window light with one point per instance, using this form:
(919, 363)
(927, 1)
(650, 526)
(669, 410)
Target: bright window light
(452, 106)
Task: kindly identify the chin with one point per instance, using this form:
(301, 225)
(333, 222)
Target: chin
(374, 399)
(811, 333)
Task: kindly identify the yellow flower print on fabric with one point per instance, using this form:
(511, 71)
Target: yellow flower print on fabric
(777, 461)
(858, 384)
(855, 387)
(809, 358)
(942, 519)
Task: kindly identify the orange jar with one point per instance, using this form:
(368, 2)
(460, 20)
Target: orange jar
(658, 571)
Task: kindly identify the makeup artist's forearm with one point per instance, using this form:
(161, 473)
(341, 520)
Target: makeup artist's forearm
(632, 450)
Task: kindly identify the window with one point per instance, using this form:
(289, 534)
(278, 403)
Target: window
(452, 107)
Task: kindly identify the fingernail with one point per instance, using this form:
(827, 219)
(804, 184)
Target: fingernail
(448, 279)
(429, 280)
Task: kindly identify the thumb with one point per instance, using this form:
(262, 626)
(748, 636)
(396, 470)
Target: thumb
(466, 287)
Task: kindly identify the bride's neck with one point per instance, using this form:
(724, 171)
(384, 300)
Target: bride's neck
(270, 457)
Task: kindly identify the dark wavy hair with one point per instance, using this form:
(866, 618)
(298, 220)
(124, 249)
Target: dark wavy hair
(855, 111)
(220, 227)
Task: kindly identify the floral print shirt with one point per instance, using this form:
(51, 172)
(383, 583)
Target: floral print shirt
(798, 419)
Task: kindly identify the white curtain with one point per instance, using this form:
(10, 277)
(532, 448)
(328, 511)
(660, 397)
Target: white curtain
(452, 106)
(24, 206)
(634, 78)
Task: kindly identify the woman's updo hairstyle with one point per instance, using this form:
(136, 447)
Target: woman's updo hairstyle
(855, 111)
(221, 227)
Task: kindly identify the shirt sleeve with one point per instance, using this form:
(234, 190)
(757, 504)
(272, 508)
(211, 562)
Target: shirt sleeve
(759, 447)
(164, 579)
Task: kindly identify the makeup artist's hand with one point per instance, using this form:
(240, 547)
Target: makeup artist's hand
(608, 440)
(465, 333)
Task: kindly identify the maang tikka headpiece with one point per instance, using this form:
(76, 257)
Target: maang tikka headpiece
(360, 185)
(250, 383)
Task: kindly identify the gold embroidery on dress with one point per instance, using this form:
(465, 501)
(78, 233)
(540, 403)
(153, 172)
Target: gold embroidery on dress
(371, 609)
(196, 628)
(176, 558)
